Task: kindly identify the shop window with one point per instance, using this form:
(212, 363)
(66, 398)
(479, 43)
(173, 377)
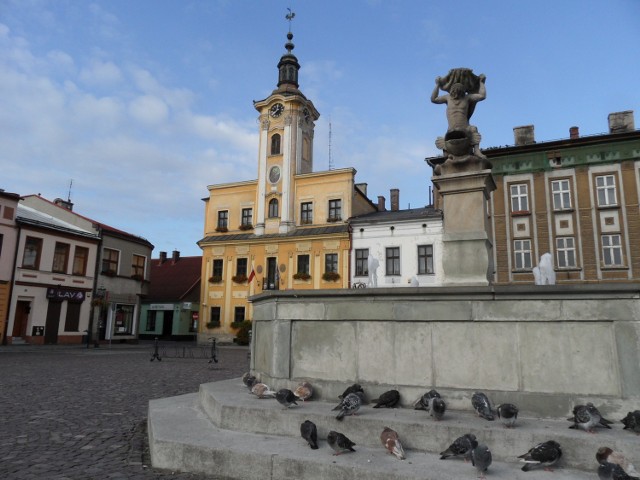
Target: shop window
(123, 319)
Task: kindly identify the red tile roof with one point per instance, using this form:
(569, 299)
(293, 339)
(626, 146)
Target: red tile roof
(173, 281)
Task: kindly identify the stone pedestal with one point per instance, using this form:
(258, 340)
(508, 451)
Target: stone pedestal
(467, 257)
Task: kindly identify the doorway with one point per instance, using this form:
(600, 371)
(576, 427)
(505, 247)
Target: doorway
(21, 318)
(53, 323)
(167, 323)
(272, 274)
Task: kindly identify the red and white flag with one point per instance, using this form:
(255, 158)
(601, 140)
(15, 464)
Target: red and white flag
(252, 274)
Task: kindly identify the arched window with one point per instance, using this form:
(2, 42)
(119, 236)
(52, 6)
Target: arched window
(275, 144)
(273, 208)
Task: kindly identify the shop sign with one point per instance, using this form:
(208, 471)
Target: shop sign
(161, 306)
(186, 305)
(62, 294)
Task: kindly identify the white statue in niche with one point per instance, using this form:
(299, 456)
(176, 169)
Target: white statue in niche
(373, 265)
(544, 274)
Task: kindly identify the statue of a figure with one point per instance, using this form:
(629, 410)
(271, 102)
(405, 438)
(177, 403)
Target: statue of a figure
(373, 264)
(464, 90)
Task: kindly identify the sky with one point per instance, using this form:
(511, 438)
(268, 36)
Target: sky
(131, 108)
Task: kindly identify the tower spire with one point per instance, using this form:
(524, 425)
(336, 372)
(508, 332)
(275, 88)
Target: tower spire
(288, 66)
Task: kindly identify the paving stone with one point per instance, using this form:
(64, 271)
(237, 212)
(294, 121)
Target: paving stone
(72, 413)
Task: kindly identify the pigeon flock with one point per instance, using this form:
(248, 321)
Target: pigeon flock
(612, 465)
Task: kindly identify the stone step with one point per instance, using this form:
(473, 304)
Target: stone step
(183, 438)
(227, 409)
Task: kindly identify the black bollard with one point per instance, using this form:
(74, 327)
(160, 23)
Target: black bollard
(214, 351)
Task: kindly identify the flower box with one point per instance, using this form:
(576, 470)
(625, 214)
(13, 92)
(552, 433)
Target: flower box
(213, 324)
(215, 279)
(246, 226)
(331, 276)
(334, 219)
(301, 276)
(222, 229)
(239, 278)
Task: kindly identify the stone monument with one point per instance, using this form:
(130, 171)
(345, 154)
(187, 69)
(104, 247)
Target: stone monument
(464, 181)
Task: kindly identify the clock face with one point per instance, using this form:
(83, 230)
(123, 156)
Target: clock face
(274, 174)
(276, 110)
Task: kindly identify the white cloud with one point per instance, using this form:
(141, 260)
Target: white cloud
(101, 73)
(149, 110)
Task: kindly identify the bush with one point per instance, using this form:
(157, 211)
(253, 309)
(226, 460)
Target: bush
(213, 324)
(242, 336)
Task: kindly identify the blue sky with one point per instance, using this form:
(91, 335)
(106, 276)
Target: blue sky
(143, 103)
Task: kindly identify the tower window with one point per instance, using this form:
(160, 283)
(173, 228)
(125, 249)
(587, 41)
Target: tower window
(275, 144)
(273, 208)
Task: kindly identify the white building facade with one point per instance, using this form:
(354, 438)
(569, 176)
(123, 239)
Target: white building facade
(406, 246)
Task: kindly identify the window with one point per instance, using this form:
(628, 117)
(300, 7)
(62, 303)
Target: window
(214, 315)
(80, 258)
(519, 198)
(606, 188)
(137, 266)
(32, 249)
(275, 144)
(72, 320)
(238, 314)
(331, 263)
(611, 250)
(566, 252)
(241, 267)
(7, 213)
(335, 210)
(123, 324)
(362, 262)
(306, 213)
(247, 216)
(273, 208)
(217, 268)
(60, 258)
(303, 264)
(110, 260)
(522, 253)
(151, 321)
(223, 219)
(393, 260)
(561, 194)
(1, 240)
(425, 259)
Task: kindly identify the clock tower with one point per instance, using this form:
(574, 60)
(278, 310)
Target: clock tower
(286, 119)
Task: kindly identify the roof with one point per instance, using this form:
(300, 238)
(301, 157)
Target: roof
(102, 226)
(299, 232)
(172, 281)
(30, 216)
(398, 215)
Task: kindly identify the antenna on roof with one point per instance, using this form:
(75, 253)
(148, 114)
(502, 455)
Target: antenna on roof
(330, 157)
(69, 196)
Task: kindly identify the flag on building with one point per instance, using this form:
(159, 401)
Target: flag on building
(252, 274)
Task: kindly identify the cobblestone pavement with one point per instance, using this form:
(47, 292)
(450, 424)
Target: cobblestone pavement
(77, 413)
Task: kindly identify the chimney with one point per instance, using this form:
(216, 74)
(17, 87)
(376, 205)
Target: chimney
(175, 256)
(524, 135)
(574, 132)
(621, 122)
(163, 257)
(362, 187)
(395, 199)
(381, 207)
(64, 203)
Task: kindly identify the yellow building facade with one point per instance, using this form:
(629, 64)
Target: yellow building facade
(286, 230)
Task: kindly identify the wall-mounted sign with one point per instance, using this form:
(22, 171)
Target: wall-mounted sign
(161, 306)
(64, 294)
(37, 331)
(186, 305)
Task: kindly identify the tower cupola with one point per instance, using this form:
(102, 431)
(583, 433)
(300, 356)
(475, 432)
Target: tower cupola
(288, 67)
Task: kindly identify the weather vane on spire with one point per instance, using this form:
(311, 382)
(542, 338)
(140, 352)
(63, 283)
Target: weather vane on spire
(289, 17)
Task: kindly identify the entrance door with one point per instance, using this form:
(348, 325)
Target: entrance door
(53, 323)
(21, 318)
(167, 323)
(272, 274)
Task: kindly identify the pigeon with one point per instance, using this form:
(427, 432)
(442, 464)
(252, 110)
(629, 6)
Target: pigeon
(249, 380)
(423, 402)
(461, 447)
(482, 405)
(632, 421)
(349, 405)
(437, 407)
(481, 459)
(388, 399)
(352, 389)
(606, 454)
(303, 391)
(262, 390)
(543, 455)
(612, 471)
(286, 398)
(309, 432)
(339, 443)
(391, 442)
(587, 417)
(507, 413)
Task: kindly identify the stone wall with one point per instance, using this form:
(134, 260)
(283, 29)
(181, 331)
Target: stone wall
(545, 348)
